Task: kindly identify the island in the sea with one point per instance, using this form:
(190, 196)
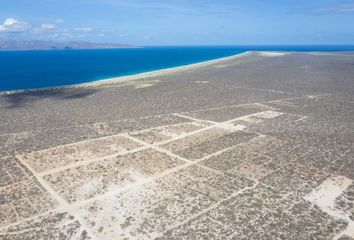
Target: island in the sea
(10, 44)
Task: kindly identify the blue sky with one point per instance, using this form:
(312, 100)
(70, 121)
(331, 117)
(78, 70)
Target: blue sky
(180, 22)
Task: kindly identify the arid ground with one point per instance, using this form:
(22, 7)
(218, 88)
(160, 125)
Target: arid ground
(258, 147)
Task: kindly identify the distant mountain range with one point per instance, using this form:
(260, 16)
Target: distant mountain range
(6, 44)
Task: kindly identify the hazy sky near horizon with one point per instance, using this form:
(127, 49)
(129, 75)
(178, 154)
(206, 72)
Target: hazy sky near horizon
(180, 22)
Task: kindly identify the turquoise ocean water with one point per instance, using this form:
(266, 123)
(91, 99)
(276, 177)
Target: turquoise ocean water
(38, 69)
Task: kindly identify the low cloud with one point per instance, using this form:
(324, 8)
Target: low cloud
(47, 30)
(59, 21)
(48, 26)
(83, 29)
(12, 25)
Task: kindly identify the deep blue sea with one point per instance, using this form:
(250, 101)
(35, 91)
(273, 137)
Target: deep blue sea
(38, 69)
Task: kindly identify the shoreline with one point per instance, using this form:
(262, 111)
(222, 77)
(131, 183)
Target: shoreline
(127, 78)
(159, 72)
(155, 73)
(149, 74)
(163, 71)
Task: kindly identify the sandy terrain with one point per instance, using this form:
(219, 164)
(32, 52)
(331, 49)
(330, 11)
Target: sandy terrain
(258, 146)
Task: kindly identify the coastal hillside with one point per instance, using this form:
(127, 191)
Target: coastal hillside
(8, 44)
